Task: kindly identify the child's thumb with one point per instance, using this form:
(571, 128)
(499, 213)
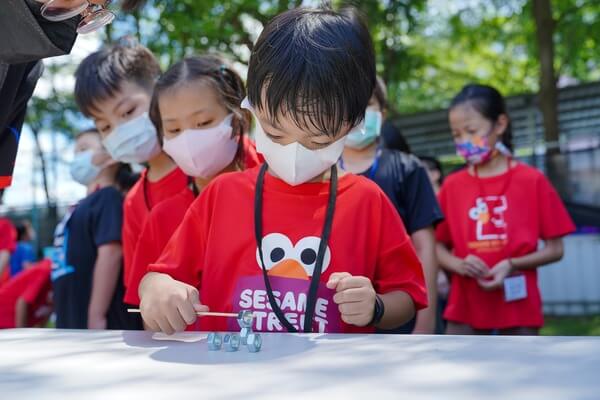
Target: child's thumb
(194, 297)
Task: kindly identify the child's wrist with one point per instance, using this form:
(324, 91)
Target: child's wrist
(378, 311)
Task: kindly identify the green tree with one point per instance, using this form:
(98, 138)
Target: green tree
(521, 46)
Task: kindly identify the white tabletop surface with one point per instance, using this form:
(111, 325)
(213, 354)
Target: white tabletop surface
(53, 364)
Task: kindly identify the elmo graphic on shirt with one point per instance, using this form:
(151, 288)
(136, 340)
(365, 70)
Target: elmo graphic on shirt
(290, 267)
(488, 214)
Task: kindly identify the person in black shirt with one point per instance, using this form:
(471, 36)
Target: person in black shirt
(87, 262)
(404, 179)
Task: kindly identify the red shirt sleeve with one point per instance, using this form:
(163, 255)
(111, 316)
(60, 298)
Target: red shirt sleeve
(398, 267)
(442, 231)
(37, 278)
(130, 231)
(555, 221)
(183, 255)
(8, 236)
(138, 268)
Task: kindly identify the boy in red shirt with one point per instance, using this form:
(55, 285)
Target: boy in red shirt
(114, 87)
(497, 210)
(302, 249)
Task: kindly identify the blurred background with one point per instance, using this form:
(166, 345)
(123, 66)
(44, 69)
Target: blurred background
(543, 54)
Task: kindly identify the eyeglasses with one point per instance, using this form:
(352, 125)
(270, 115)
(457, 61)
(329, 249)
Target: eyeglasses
(95, 16)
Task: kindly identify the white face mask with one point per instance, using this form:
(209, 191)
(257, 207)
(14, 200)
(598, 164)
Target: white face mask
(134, 141)
(367, 131)
(203, 152)
(82, 169)
(294, 163)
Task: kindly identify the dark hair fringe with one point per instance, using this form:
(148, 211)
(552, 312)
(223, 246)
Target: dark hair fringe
(488, 101)
(215, 71)
(102, 73)
(315, 65)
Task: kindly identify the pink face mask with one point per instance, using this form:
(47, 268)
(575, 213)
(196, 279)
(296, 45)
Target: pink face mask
(203, 152)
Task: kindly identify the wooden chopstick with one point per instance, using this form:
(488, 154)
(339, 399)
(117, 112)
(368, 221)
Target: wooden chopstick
(200, 313)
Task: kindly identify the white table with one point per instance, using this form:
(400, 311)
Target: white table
(52, 364)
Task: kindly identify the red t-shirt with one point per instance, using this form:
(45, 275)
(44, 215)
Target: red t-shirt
(137, 207)
(214, 249)
(162, 223)
(33, 285)
(8, 242)
(497, 218)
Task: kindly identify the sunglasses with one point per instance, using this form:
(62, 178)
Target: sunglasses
(95, 16)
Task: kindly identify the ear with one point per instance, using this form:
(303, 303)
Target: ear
(501, 126)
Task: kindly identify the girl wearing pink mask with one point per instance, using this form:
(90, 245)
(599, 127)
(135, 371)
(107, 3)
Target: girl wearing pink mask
(196, 110)
(497, 210)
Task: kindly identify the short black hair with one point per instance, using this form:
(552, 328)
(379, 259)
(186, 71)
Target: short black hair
(102, 73)
(318, 65)
(431, 163)
(487, 101)
(21, 227)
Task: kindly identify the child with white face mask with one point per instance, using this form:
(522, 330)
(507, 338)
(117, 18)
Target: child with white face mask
(404, 180)
(113, 86)
(196, 110)
(303, 249)
(87, 259)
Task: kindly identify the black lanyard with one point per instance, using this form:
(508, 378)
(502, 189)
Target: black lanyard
(314, 283)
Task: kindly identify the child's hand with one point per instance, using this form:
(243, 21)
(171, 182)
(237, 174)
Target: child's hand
(497, 274)
(168, 305)
(96, 321)
(473, 267)
(355, 297)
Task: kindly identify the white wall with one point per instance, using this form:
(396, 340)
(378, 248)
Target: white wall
(572, 286)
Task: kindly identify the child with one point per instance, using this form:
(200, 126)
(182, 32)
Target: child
(196, 110)
(497, 210)
(114, 87)
(88, 256)
(24, 254)
(404, 180)
(290, 241)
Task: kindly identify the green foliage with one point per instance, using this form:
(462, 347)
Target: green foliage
(426, 49)
(572, 326)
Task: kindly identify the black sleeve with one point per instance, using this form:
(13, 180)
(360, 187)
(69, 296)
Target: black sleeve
(422, 208)
(19, 84)
(108, 217)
